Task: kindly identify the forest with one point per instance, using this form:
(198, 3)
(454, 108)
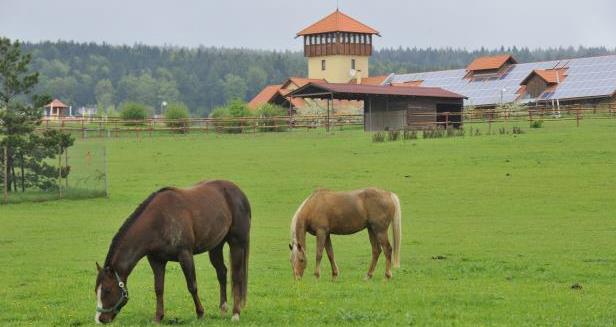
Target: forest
(105, 76)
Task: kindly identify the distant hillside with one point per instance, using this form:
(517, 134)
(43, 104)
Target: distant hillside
(203, 78)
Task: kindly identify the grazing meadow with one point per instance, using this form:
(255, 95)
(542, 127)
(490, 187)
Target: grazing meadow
(497, 230)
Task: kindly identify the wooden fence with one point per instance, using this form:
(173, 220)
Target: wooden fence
(115, 127)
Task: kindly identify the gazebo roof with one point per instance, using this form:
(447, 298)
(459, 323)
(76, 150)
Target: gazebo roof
(56, 104)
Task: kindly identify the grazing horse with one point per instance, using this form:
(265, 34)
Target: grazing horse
(173, 224)
(326, 212)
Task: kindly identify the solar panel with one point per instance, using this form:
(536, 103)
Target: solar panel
(586, 77)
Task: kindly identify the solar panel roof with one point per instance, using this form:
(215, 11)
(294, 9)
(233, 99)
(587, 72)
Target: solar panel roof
(586, 77)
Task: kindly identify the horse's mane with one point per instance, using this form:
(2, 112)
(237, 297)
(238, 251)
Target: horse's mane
(129, 222)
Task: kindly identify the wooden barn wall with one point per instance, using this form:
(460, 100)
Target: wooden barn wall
(535, 86)
(399, 113)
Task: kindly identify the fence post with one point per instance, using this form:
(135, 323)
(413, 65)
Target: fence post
(60, 171)
(105, 170)
(83, 129)
(530, 117)
(446, 120)
(490, 114)
(577, 115)
(6, 173)
(66, 165)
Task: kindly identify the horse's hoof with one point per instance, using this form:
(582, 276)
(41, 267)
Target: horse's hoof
(236, 317)
(388, 275)
(368, 277)
(200, 315)
(223, 308)
(318, 276)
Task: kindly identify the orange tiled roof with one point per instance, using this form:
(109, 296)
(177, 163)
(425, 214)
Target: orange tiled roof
(300, 81)
(56, 104)
(337, 22)
(372, 80)
(493, 62)
(264, 96)
(550, 76)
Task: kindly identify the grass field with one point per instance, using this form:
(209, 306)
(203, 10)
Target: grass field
(517, 221)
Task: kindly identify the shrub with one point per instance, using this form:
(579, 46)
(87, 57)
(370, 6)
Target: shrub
(176, 116)
(229, 116)
(517, 130)
(409, 134)
(536, 124)
(433, 132)
(378, 137)
(134, 113)
(393, 135)
(271, 118)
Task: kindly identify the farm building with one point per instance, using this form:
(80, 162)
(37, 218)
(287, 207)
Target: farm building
(490, 81)
(338, 49)
(391, 107)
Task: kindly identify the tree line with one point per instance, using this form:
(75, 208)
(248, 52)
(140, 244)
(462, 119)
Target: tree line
(105, 76)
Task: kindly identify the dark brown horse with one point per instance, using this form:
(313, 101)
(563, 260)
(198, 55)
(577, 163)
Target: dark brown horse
(326, 212)
(172, 225)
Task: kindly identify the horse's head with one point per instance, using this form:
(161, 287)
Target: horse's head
(111, 295)
(298, 259)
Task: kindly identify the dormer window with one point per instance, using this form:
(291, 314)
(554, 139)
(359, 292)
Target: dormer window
(489, 67)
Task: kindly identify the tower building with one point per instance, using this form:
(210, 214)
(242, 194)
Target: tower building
(338, 48)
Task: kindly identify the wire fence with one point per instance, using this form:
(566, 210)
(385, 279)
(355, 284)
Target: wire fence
(77, 173)
(116, 127)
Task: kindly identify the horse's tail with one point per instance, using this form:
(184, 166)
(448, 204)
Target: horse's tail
(397, 229)
(241, 211)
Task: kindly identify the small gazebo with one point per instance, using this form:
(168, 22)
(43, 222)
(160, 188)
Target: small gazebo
(56, 110)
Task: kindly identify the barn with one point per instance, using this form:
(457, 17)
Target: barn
(391, 107)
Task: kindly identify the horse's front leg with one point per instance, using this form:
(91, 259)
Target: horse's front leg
(188, 267)
(330, 256)
(218, 261)
(158, 267)
(321, 239)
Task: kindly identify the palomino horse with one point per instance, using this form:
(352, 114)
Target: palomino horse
(341, 213)
(172, 225)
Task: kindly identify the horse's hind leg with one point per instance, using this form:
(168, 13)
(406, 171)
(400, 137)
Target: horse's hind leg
(218, 261)
(158, 268)
(330, 255)
(237, 275)
(188, 267)
(382, 237)
(376, 251)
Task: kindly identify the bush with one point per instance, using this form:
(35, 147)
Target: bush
(536, 124)
(378, 137)
(228, 117)
(134, 113)
(393, 135)
(177, 117)
(271, 118)
(409, 134)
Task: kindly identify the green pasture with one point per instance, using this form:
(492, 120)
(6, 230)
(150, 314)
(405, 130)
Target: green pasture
(496, 230)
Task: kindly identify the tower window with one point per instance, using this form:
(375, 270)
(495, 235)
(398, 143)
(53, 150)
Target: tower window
(322, 64)
(352, 63)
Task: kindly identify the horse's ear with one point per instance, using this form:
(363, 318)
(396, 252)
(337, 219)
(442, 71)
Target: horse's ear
(98, 267)
(290, 246)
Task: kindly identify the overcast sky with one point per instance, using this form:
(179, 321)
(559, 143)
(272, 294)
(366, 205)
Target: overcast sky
(272, 24)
